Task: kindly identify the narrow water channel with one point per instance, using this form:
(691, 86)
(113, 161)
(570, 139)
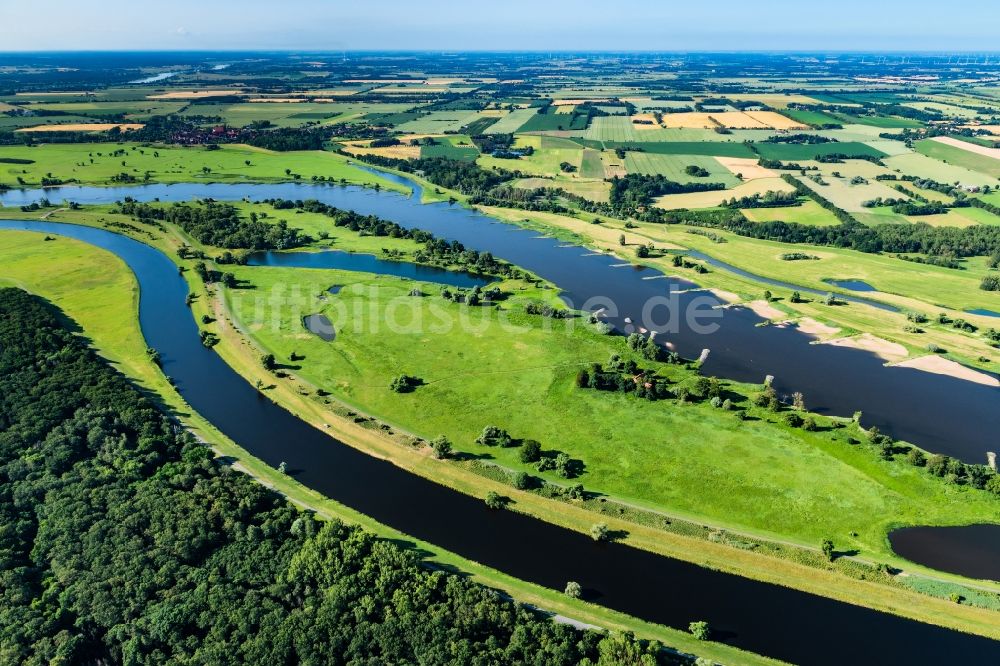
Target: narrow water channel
(793, 626)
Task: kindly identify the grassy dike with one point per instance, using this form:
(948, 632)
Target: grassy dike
(96, 289)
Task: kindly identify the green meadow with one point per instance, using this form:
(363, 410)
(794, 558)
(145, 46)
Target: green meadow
(474, 362)
(98, 163)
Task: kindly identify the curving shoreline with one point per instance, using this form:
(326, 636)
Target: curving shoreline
(761, 617)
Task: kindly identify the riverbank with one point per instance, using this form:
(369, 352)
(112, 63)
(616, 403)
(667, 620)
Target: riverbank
(480, 482)
(96, 290)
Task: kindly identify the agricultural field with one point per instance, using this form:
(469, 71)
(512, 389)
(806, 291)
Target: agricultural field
(97, 164)
(924, 166)
(850, 196)
(951, 151)
(710, 199)
(672, 166)
(797, 152)
(808, 212)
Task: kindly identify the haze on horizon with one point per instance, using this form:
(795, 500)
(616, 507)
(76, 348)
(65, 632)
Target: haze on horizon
(578, 25)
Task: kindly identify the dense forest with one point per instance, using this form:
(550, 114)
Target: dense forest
(124, 541)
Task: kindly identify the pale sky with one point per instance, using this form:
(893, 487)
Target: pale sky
(582, 25)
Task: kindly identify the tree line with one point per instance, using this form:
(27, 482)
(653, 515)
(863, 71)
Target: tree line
(218, 224)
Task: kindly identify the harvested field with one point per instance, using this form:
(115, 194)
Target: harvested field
(746, 167)
(695, 120)
(775, 120)
(613, 165)
(82, 127)
(731, 120)
(673, 167)
(992, 129)
(402, 151)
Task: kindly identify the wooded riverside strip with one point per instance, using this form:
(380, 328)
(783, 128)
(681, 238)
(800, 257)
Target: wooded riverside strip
(124, 541)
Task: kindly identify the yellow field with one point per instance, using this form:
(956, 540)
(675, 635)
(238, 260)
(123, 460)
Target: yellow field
(195, 94)
(992, 129)
(402, 151)
(746, 167)
(730, 120)
(775, 120)
(691, 120)
(82, 127)
(645, 126)
(716, 197)
(279, 100)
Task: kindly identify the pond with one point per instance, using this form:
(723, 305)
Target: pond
(853, 285)
(321, 326)
(983, 313)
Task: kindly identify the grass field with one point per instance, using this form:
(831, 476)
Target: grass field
(796, 152)
(543, 161)
(454, 147)
(967, 159)
(885, 122)
(553, 120)
(591, 165)
(851, 197)
(672, 166)
(814, 118)
(471, 377)
(437, 122)
(511, 122)
(714, 198)
(595, 190)
(917, 164)
(170, 164)
(809, 213)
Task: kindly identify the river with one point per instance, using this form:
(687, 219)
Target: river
(783, 623)
(937, 412)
